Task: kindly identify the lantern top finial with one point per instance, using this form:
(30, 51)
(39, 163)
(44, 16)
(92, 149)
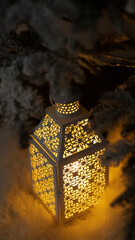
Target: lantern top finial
(66, 95)
(66, 99)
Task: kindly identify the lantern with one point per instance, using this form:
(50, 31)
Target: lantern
(65, 151)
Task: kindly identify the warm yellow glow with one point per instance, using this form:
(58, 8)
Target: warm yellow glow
(43, 178)
(79, 137)
(83, 183)
(84, 179)
(49, 133)
(68, 108)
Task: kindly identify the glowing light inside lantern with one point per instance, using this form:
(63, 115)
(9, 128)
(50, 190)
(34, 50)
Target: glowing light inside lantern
(79, 137)
(84, 183)
(49, 133)
(68, 108)
(43, 178)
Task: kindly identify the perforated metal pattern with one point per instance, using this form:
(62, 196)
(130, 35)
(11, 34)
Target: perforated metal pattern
(43, 178)
(68, 108)
(83, 183)
(49, 133)
(79, 137)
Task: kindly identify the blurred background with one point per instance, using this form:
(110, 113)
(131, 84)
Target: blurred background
(52, 44)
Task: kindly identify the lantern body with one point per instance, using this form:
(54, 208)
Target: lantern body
(65, 161)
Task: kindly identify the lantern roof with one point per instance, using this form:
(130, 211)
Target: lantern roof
(67, 137)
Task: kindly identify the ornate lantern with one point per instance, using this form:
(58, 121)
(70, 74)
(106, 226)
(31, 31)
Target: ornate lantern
(65, 159)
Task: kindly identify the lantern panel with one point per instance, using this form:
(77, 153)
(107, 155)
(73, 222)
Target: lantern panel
(49, 132)
(43, 178)
(68, 108)
(83, 183)
(79, 137)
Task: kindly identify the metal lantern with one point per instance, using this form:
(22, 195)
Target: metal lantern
(65, 151)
